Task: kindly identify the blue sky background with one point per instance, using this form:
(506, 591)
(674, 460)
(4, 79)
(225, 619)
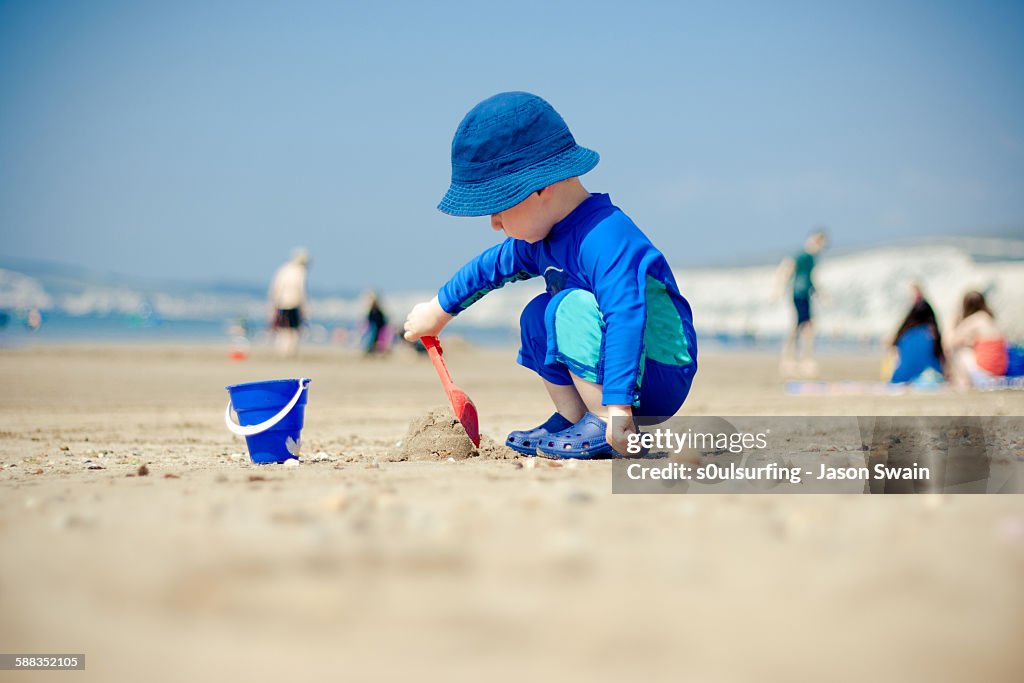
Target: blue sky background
(203, 140)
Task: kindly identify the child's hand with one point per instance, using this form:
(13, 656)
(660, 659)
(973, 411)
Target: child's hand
(620, 426)
(426, 319)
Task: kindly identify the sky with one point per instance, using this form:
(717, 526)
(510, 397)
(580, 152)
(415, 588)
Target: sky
(202, 141)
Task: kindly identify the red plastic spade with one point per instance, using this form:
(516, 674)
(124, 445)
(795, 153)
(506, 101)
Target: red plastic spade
(463, 407)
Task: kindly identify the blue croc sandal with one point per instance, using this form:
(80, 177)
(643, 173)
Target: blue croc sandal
(525, 440)
(583, 440)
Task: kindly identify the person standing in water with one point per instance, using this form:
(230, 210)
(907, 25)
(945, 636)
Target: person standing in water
(798, 351)
(288, 303)
(376, 323)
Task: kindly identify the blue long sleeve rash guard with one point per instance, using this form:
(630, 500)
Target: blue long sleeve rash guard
(599, 249)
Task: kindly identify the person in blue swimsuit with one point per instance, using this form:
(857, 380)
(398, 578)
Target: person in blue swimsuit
(918, 344)
(612, 336)
(798, 349)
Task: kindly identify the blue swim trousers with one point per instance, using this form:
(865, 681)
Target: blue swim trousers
(564, 333)
(802, 304)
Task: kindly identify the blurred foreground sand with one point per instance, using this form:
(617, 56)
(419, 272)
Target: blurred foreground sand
(351, 566)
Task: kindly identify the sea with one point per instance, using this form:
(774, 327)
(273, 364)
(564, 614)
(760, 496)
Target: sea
(866, 293)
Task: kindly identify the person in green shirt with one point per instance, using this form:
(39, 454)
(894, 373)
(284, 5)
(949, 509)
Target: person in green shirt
(798, 351)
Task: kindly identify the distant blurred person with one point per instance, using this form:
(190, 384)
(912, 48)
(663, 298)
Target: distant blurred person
(918, 344)
(916, 292)
(34, 320)
(289, 307)
(977, 347)
(798, 351)
(376, 322)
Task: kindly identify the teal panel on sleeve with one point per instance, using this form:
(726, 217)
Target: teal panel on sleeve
(664, 336)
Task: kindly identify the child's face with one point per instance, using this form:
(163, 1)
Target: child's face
(528, 220)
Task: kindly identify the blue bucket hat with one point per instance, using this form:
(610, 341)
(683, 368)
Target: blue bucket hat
(506, 148)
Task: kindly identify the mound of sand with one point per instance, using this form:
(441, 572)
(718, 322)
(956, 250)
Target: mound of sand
(439, 436)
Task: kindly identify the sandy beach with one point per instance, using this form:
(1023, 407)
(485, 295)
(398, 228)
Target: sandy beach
(364, 563)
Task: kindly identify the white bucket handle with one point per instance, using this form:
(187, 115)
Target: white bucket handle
(252, 430)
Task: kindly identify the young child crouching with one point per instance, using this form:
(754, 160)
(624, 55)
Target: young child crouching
(612, 337)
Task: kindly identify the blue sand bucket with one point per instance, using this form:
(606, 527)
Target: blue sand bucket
(270, 416)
